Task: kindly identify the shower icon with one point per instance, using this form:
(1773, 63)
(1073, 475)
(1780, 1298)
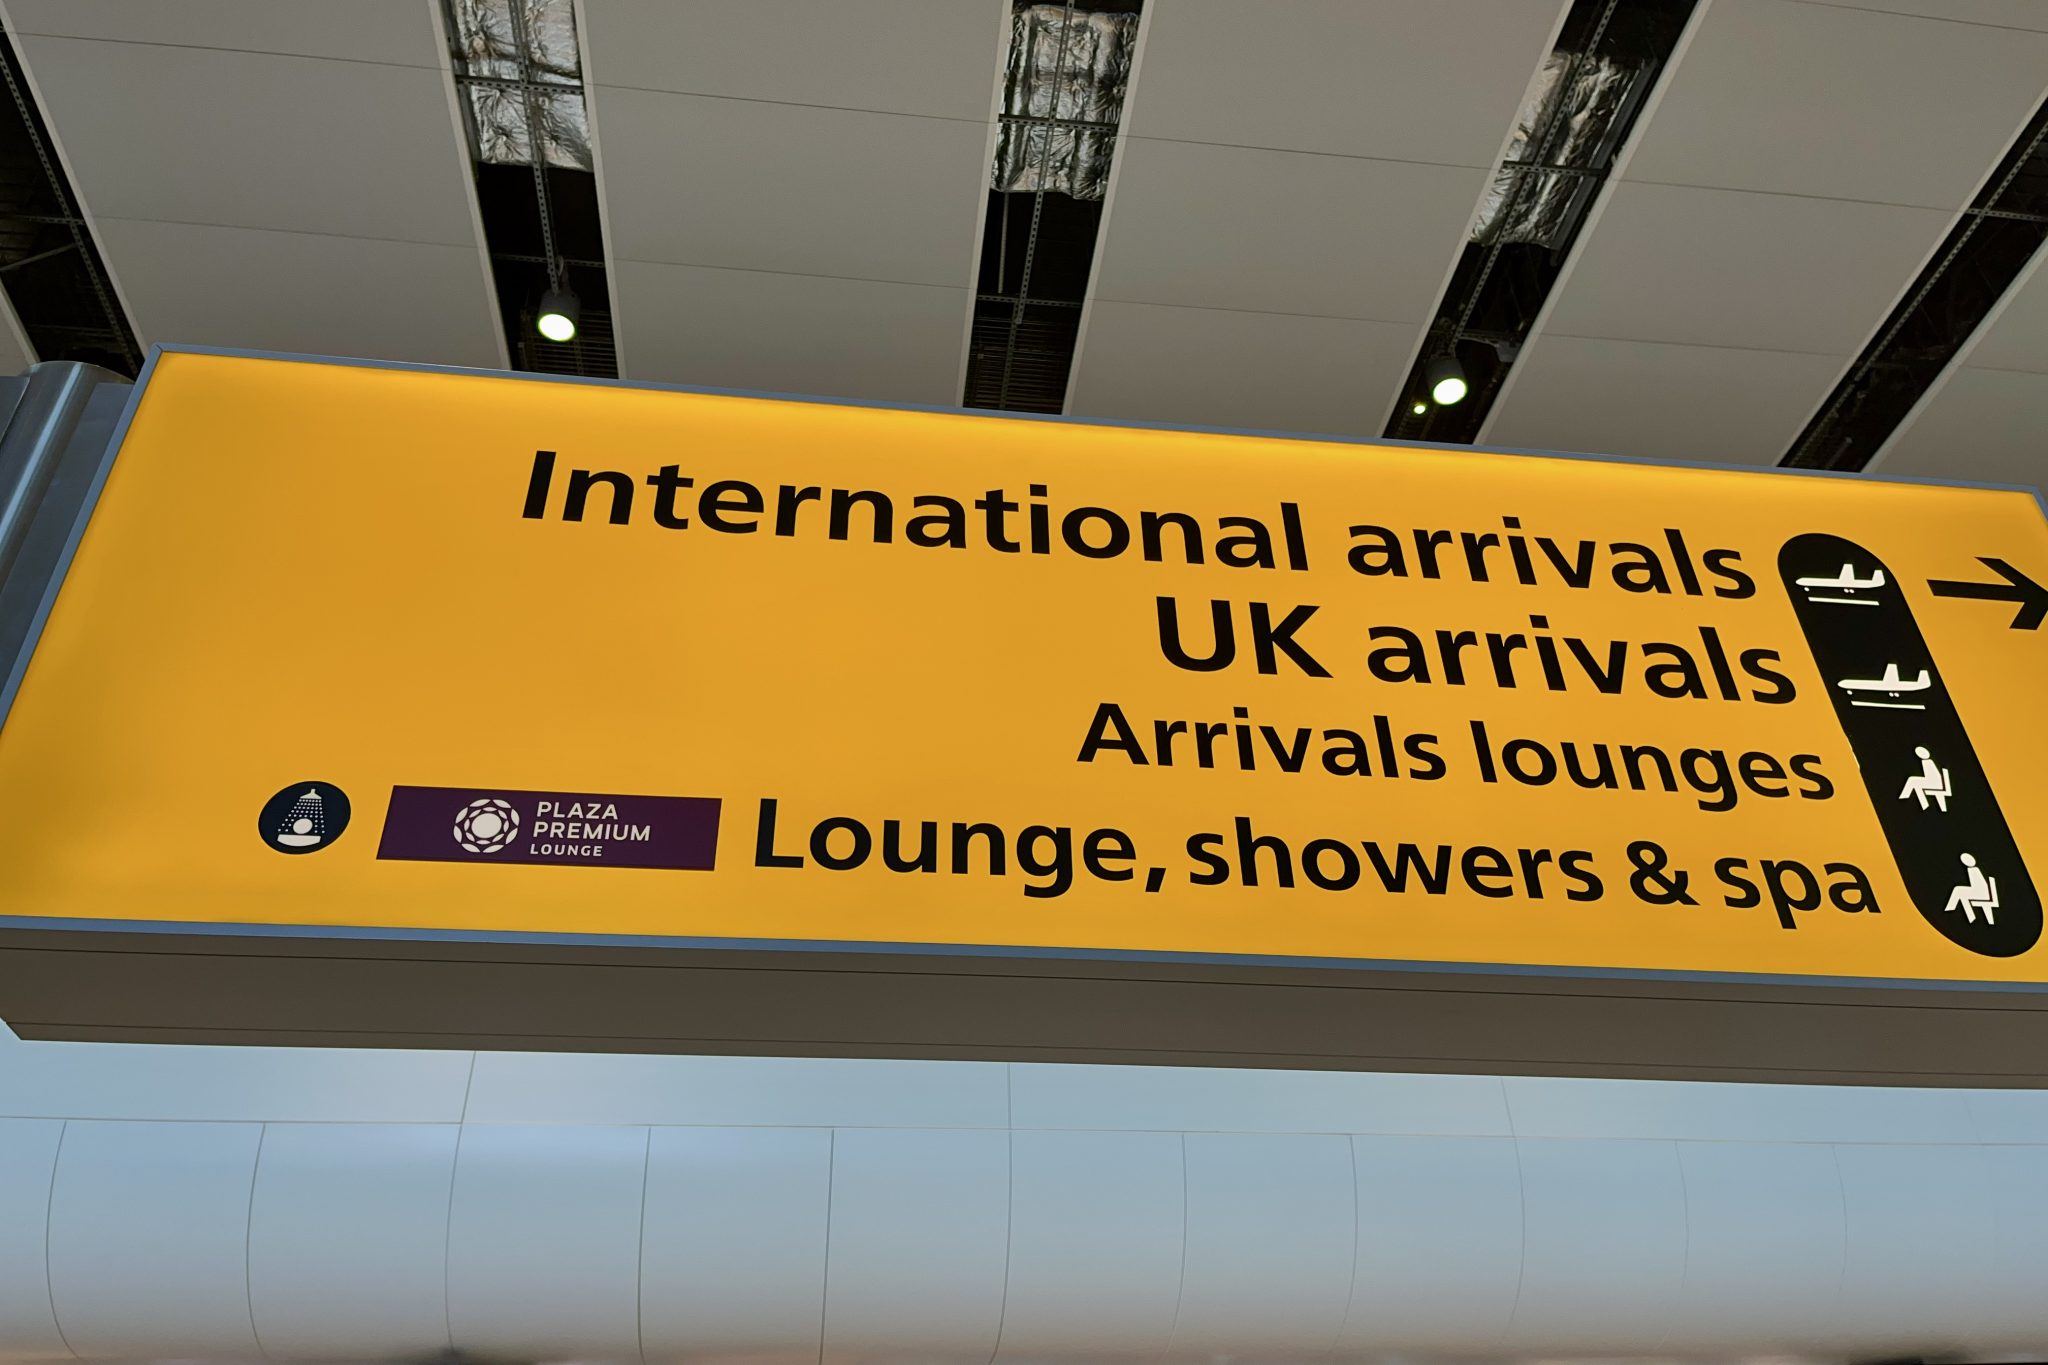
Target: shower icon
(304, 817)
(306, 823)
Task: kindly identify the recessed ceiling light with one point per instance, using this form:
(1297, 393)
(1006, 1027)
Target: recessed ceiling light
(1446, 380)
(558, 313)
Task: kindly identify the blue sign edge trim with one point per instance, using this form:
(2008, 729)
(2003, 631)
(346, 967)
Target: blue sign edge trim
(361, 933)
(17, 667)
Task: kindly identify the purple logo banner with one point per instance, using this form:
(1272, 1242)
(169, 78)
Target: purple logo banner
(584, 829)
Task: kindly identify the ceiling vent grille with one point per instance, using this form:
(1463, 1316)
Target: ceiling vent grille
(1063, 95)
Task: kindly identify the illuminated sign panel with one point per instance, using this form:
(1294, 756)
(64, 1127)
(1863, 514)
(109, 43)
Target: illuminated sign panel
(405, 650)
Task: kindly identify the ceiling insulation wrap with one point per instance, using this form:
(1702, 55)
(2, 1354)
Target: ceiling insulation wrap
(1567, 125)
(1063, 93)
(524, 72)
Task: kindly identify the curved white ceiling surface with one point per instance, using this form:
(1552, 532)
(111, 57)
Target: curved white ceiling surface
(199, 1203)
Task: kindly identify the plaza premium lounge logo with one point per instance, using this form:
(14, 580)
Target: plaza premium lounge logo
(489, 824)
(461, 824)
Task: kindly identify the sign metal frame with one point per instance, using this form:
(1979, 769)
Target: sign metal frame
(37, 931)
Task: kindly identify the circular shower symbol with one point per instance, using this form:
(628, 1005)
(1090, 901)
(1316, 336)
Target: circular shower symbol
(304, 817)
(486, 825)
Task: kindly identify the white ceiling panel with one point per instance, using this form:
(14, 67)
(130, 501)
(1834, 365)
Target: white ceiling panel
(927, 57)
(825, 167)
(1842, 103)
(1660, 402)
(2026, 14)
(1195, 224)
(1405, 80)
(1798, 168)
(747, 329)
(1727, 268)
(294, 143)
(691, 180)
(230, 284)
(263, 178)
(1982, 426)
(396, 32)
(1262, 371)
(1296, 157)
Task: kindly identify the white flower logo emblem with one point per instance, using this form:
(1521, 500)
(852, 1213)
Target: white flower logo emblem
(486, 825)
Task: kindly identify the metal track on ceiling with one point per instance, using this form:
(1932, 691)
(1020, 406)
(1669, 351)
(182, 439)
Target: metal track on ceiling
(50, 267)
(2004, 227)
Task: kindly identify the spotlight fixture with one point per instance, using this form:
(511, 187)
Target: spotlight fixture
(1420, 408)
(558, 313)
(1446, 380)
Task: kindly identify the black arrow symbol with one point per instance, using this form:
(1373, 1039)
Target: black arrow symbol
(2032, 597)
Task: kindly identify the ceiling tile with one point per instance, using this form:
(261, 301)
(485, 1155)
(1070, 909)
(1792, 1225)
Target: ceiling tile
(691, 180)
(202, 136)
(1983, 426)
(1257, 371)
(1282, 232)
(2027, 14)
(1659, 402)
(1841, 102)
(295, 291)
(1417, 80)
(897, 343)
(400, 32)
(1727, 268)
(935, 57)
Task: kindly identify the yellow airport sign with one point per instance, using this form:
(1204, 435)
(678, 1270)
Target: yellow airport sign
(407, 650)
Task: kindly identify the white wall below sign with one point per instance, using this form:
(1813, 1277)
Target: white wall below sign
(302, 1203)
